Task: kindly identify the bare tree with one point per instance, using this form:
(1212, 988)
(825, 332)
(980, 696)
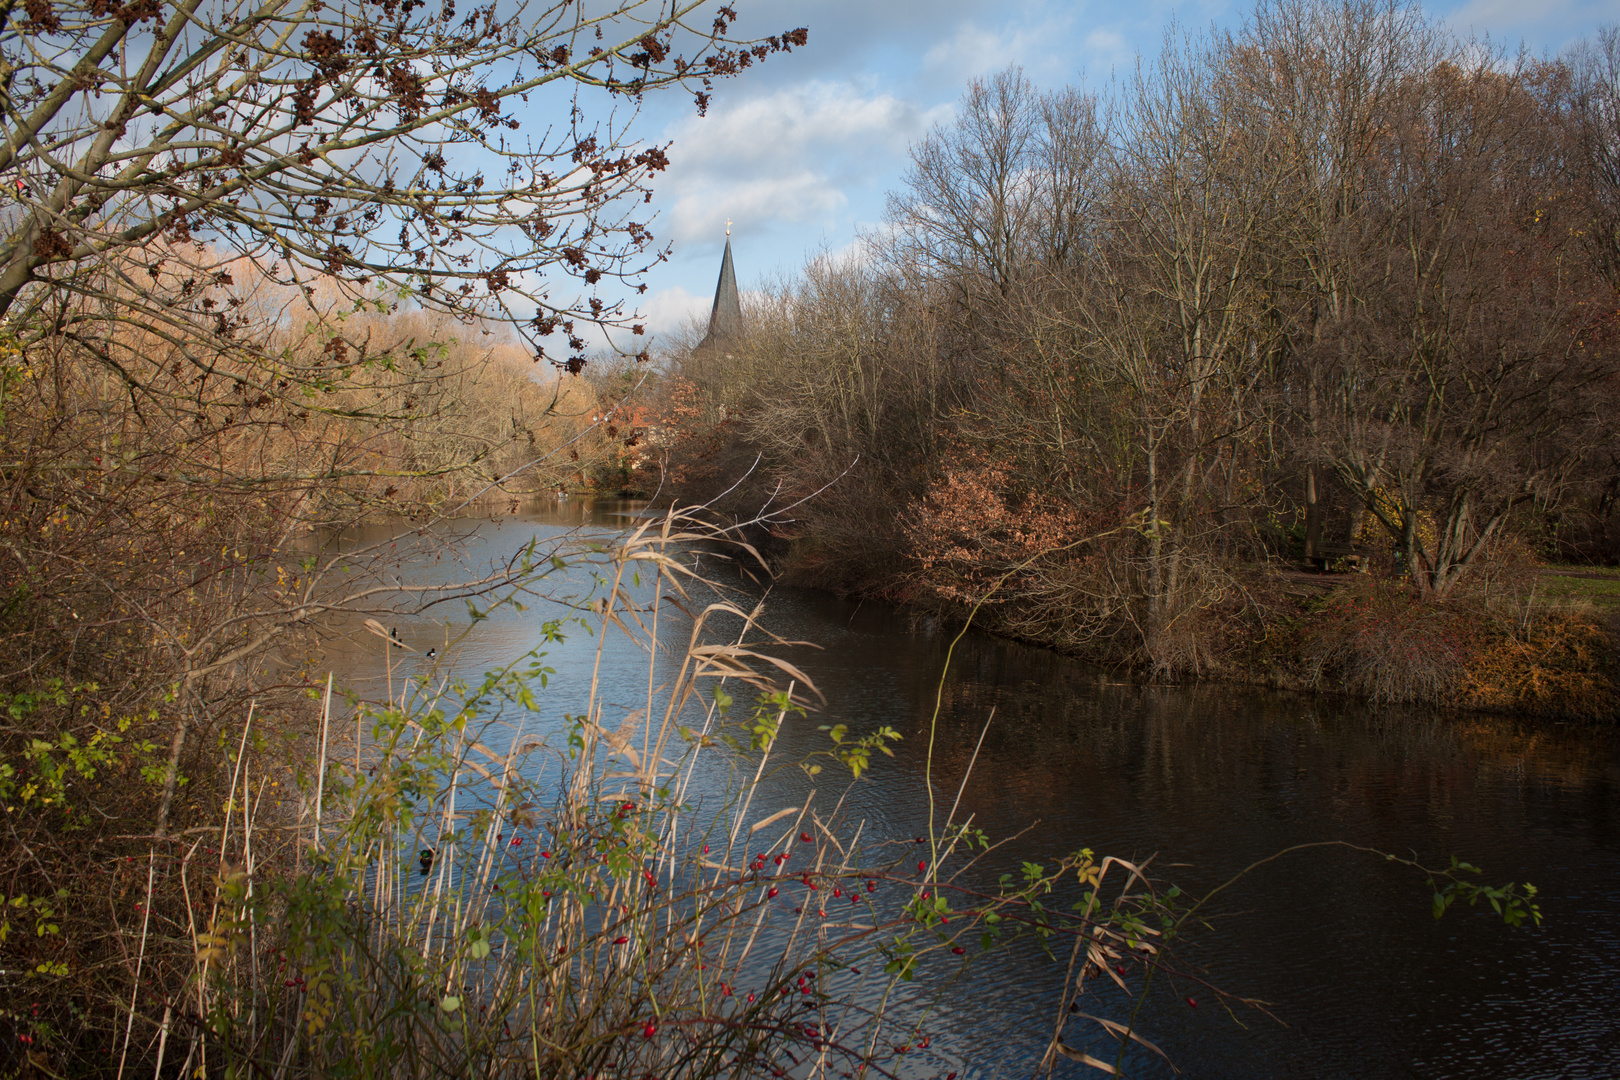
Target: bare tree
(384, 144)
(969, 202)
(1456, 381)
(1596, 105)
(211, 207)
(1172, 313)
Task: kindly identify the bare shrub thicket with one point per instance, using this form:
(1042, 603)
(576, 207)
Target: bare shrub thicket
(164, 577)
(1337, 245)
(839, 375)
(249, 254)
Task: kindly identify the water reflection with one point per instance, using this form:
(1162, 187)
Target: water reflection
(508, 620)
(1210, 779)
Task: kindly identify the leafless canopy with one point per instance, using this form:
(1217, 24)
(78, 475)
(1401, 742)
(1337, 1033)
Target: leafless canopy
(404, 149)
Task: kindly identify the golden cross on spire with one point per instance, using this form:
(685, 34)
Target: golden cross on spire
(728, 226)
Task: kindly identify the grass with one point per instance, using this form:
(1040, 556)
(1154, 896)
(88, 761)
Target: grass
(1595, 585)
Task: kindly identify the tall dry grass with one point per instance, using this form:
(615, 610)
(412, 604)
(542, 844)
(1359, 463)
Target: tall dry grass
(442, 890)
(614, 896)
(158, 496)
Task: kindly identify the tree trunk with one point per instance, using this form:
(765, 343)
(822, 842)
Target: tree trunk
(1313, 515)
(171, 774)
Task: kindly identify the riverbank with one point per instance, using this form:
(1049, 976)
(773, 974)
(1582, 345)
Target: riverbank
(1532, 640)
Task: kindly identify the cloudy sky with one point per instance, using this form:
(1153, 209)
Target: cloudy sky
(799, 152)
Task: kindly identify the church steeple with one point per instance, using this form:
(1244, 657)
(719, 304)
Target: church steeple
(725, 319)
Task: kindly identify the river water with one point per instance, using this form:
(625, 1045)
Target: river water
(1362, 980)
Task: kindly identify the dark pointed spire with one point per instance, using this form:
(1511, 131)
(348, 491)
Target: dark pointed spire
(726, 317)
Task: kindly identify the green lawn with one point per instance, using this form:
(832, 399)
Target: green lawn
(1600, 585)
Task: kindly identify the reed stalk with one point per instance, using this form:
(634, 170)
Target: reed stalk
(493, 891)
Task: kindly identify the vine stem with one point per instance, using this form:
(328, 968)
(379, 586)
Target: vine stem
(1175, 929)
(939, 689)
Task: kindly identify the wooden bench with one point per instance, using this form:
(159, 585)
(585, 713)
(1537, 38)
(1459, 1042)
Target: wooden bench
(1327, 551)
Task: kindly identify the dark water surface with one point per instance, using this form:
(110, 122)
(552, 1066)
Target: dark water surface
(1209, 779)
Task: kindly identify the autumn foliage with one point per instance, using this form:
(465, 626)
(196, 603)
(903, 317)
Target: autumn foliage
(1124, 355)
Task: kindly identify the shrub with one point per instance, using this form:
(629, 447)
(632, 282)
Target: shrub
(1558, 665)
(1381, 641)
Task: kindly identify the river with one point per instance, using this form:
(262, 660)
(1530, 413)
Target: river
(1362, 980)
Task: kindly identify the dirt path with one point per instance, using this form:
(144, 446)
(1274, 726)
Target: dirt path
(1583, 575)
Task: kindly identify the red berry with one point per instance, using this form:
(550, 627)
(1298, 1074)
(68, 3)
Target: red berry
(921, 867)
(620, 940)
(959, 950)
(772, 893)
(649, 1031)
(1193, 1002)
(805, 837)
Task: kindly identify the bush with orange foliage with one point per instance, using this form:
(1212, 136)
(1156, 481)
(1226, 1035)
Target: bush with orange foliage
(974, 525)
(1560, 664)
(1381, 640)
(1044, 568)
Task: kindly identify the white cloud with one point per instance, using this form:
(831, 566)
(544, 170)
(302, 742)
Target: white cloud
(1543, 25)
(702, 212)
(1038, 37)
(1110, 50)
(781, 157)
(670, 309)
(973, 51)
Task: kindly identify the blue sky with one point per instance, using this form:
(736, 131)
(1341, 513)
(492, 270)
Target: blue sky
(800, 152)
